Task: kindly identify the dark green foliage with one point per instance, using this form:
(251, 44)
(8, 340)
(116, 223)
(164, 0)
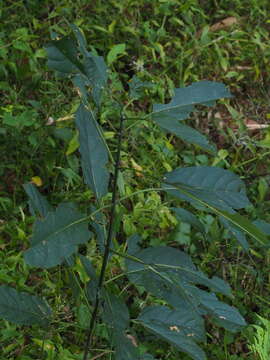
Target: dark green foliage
(23, 309)
(168, 274)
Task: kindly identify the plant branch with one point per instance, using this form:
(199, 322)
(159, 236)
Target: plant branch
(107, 244)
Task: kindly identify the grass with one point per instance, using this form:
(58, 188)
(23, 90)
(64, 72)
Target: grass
(168, 43)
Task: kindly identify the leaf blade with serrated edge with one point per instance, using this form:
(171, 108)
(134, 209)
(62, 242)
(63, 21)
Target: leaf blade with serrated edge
(57, 236)
(93, 152)
(22, 308)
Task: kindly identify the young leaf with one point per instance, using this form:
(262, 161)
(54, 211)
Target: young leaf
(93, 152)
(115, 51)
(218, 187)
(23, 309)
(179, 328)
(38, 204)
(56, 237)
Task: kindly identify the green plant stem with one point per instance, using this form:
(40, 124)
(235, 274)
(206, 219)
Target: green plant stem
(107, 245)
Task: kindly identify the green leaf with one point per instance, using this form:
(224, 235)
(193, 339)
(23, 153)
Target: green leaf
(115, 51)
(179, 328)
(137, 87)
(97, 74)
(189, 218)
(124, 349)
(115, 313)
(262, 226)
(23, 309)
(167, 116)
(177, 267)
(218, 187)
(186, 133)
(91, 70)
(222, 314)
(202, 92)
(56, 237)
(38, 204)
(73, 145)
(236, 232)
(235, 219)
(63, 56)
(93, 152)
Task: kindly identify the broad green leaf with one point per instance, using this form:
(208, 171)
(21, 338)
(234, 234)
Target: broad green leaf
(179, 328)
(222, 314)
(186, 133)
(56, 237)
(167, 116)
(38, 203)
(115, 313)
(89, 70)
(189, 218)
(63, 56)
(218, 187)
(23, 309)
(235, 219)
(93, 152)
(115, 51)
(182, 104)
(169, 266)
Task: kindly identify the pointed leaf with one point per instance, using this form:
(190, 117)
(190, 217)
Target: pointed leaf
(93, 151)
(56, 237)
(186, 133)
(169, 266)
(38, 204)
(177, 327)
(115, 313)
(97, 74)
(63, 57)
(202, 92)
(23, 309)
(222, 314)
(235, 219)
(189, 218)
(115, 51)
(236, 232)
(216, 186)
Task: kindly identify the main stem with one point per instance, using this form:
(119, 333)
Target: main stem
(107, 244)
